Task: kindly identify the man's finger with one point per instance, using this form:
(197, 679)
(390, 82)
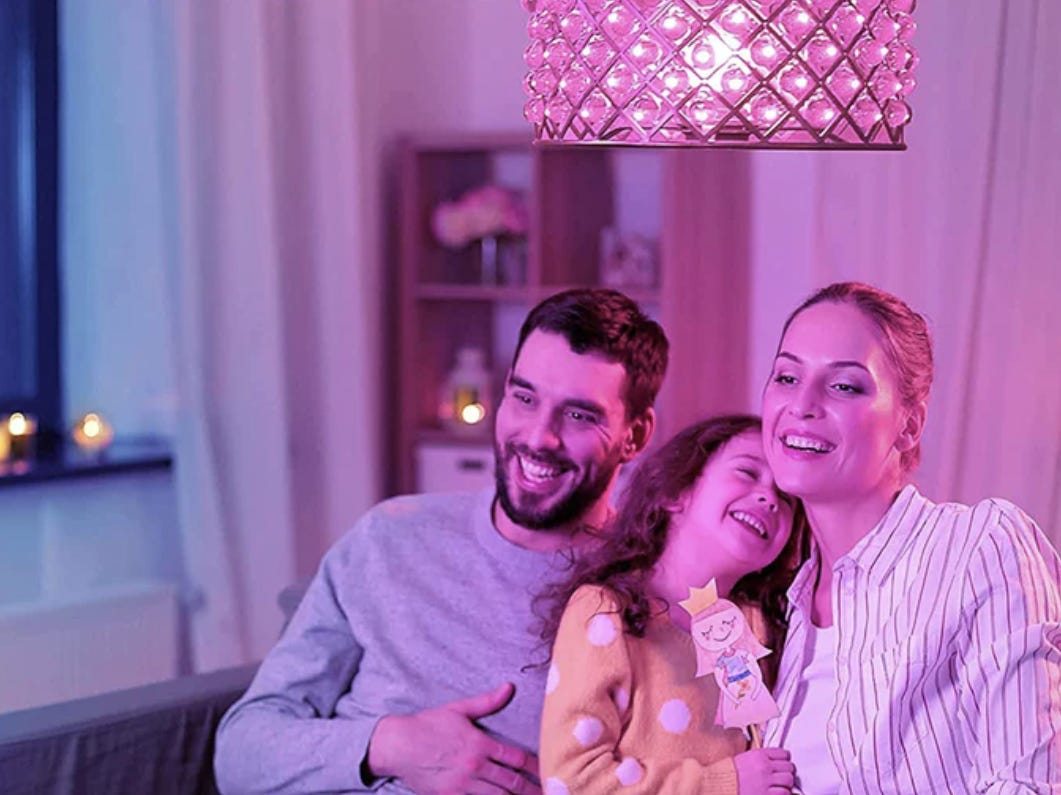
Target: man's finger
(515, 758)
(507, 779)
(475, 707)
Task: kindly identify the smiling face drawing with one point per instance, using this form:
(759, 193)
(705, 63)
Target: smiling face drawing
(715, 632)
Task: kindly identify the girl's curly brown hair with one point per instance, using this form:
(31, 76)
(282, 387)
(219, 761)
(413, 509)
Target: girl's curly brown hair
(632, 544)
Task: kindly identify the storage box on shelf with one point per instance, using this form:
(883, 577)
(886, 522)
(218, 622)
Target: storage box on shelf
(449, 300)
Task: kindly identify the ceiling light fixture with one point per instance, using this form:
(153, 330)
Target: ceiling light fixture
(759, 74)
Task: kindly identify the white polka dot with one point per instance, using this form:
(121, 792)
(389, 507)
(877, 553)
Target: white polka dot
(621, 697)
(629, 772)
(674, 716)
(554, 786)
(552, 681)
(601, 630)
(588, 731)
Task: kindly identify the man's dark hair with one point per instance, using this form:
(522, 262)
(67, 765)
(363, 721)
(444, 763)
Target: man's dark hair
(606, 322)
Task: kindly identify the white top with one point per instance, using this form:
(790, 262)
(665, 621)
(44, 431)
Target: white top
(948, 649)
(816, 773)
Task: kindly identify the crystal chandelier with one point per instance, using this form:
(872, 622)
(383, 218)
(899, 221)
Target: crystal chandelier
(763, 74)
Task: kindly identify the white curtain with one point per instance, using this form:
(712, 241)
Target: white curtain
(966, 225)
(274, 303)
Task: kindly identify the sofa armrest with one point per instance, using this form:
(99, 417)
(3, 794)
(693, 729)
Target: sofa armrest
(158, 738)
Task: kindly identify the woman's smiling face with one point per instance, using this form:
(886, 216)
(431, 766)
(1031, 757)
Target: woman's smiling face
(833, 418)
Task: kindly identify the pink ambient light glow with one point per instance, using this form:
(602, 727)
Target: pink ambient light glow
(735, 73)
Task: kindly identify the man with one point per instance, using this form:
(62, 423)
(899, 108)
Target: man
(408, 665)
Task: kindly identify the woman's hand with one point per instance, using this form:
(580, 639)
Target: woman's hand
(765, 771)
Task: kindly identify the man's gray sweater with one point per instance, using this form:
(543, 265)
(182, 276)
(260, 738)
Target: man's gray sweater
(421, 603)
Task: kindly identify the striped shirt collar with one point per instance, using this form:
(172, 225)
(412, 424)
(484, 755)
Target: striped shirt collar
(876, 553)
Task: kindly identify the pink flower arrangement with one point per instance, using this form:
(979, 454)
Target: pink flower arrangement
(481, 212)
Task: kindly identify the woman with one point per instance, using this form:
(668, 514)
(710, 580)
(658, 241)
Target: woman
(923, 649)
(624, 708)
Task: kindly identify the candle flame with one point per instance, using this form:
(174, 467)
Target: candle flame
(473, 413)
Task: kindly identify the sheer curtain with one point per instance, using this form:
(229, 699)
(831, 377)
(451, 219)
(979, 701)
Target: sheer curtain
(966, 225)
(274, 302)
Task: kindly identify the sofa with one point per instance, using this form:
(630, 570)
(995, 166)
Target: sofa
(152, 740)
(156, 739)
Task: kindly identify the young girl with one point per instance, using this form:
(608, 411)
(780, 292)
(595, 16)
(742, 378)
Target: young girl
(624, 709)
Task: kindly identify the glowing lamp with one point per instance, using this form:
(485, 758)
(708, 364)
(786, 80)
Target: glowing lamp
(465, 400)
(18, 434)
(92, 434)
(758, 74)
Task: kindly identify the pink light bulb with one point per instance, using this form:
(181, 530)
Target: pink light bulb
(734, 82)
(795, 82)
(796, 23)
(675, 80)
(674, 26)
(764, 52)
(645, 110)
(645, 53)
(737, 22)
(619, 82)
(822, 53)
(765, 110)
(620, 24)
(844, 84)
(703, 55)
(819, 110)
(597, 52)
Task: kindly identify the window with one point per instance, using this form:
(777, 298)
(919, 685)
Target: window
(29, 162)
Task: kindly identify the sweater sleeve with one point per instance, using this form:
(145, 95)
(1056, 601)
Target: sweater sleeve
(283, 736)
(587, 704)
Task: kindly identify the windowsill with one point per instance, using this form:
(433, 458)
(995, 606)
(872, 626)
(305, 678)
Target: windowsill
(123, 456)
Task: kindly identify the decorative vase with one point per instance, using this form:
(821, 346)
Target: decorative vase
(488, 259)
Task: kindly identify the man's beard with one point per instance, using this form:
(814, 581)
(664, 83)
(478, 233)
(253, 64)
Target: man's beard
(536, 512)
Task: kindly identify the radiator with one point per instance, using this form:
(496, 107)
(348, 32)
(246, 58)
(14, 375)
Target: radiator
(106, 640)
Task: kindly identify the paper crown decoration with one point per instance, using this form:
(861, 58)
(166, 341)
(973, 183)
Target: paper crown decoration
(700, 599)
(762, 74)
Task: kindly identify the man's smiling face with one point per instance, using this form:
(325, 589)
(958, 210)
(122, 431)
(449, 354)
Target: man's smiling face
(560, 434)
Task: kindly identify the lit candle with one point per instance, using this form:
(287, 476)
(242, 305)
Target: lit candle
(92, 433)
(21, 432)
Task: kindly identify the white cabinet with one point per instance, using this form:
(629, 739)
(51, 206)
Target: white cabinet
(454, 467)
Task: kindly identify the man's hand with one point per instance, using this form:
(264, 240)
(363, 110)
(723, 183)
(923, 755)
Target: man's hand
(441, 751)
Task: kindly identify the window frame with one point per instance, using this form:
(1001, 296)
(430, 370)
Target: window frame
(46, 402)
